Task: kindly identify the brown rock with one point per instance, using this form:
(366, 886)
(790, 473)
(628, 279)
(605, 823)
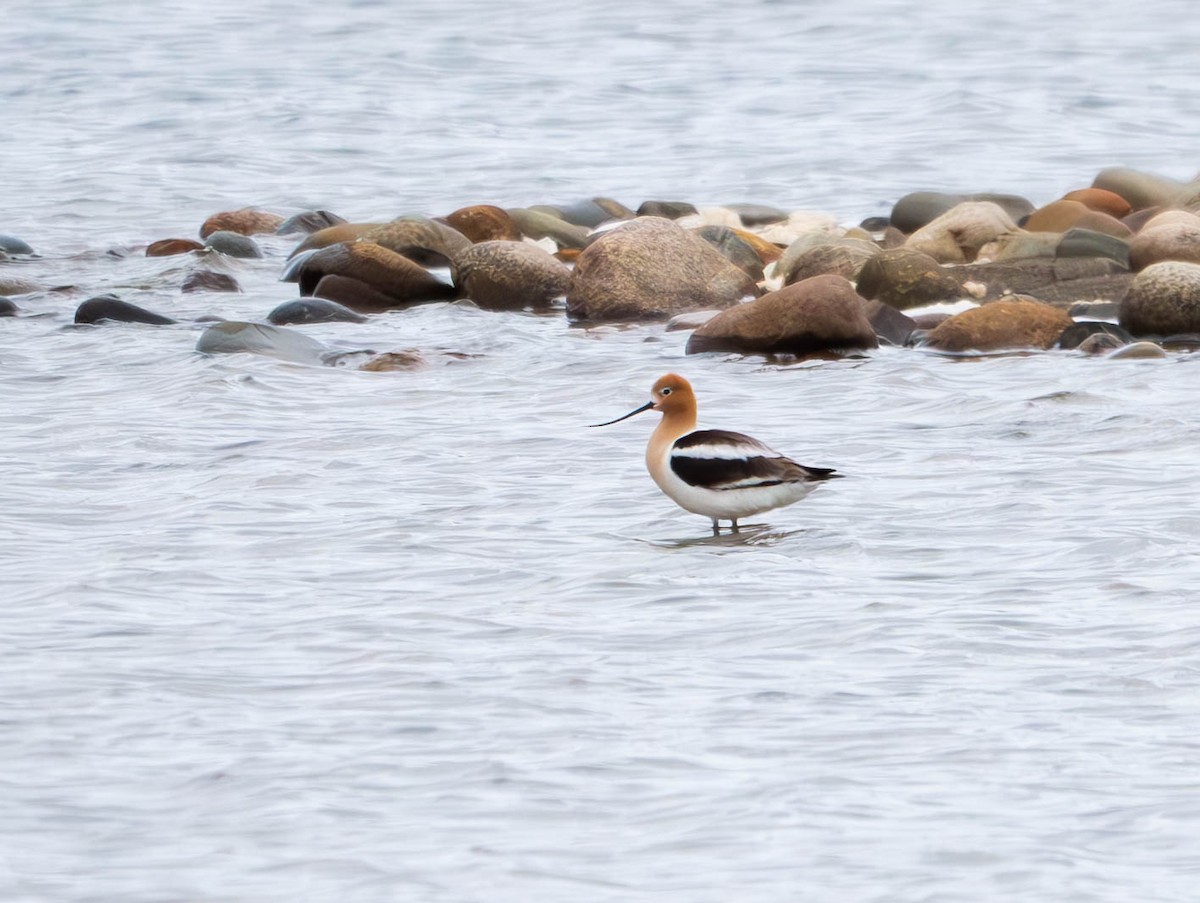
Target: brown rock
(247, 221)
(510, 275)
(333, 235)
(905, 278)
(484, 222)
(651, 268)
(387, 272)
(170, 247)
(733, 248)
(1163, 299)
(353, 293)
(1100, 200)
(819, 315)
(1057, 216)
(1001, 325)
(308, 222)
(420, 239)
(209, 281)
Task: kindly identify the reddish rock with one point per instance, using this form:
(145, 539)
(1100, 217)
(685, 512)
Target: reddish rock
(1100, 200)
(484, 222)
(170, 247)
(387, 272)
(247, 221)
(819, 315)
(1001, 325)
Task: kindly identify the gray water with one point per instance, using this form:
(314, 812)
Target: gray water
(275, 631)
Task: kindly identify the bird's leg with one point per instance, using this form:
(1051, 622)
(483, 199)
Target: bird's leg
(734, 525)
(716, 527)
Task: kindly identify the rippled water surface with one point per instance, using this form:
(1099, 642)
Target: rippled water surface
(286, 632)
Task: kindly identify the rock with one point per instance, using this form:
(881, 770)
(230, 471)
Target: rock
(1107, 310)
(420, 239)
(1100, 200)
(667, 209)
(391, 361)
(1077, 333)
(332, 235)
(1188, 197)
(614, 209)
(693, 319)
(308, 222)
(841, 257)
(1057, 216)
(651, 268)
(1054, 281)
(957, 235)
(819, 315)
(538, 224)
(918, 209)
(14, 246)
(247, 221)
(1138, 219)
(904, 278)
(232, 337)
(1163, 299)
(11, 284)
(587, 214)
(1001, 325)
(110, 308)
(484, 222)
(1100, 343)
(890, 325)
(313, 310)
(1140, 189)
(754, 215)
(1173, 236)
(209, 281)
(8, 308)
(232, 244)
(1019, 246)
(1138, 351)
(353, 293)
(510, 275)
(170, 247)
(385, 272)
(734, 248)
(767, 252)
(1086, 243)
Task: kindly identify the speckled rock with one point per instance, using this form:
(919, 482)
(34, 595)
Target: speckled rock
(1001, 325)
(905, 278)
(819, 315)
(510, 275)
(652, 268)
(247, 221)
(484, 222)
(1171, 236)
(422, 240)
(1163, 299)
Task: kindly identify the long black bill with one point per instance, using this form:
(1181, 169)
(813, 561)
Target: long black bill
(647, 406)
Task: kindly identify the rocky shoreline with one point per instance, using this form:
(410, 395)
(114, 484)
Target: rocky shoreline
(746, 278)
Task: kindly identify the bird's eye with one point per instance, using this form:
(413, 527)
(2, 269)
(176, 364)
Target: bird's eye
(665, 391)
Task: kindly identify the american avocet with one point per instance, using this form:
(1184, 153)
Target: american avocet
(722, 475)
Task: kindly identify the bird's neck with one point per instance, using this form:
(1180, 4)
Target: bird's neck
(673, 425)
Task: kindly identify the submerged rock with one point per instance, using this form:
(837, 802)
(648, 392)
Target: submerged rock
(109, 308)
(313, 310)
(233, 337)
